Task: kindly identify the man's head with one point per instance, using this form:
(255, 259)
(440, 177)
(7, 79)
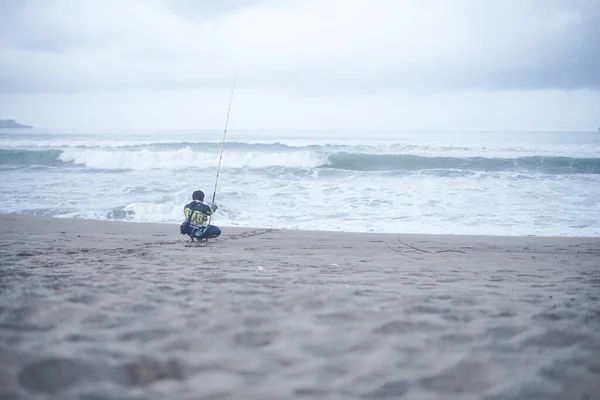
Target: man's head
(198, 195)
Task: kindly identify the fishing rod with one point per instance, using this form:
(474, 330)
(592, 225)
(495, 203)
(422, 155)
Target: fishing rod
(223, 143)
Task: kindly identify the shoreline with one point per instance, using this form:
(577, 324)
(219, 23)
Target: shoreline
(236, 229)
(243, 246)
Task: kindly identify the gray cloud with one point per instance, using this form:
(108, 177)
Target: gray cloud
(198, 8)
(319, 47)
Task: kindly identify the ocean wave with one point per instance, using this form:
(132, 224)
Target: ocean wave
(148, 159)
(188, 157)
(148, 145)
(406, 162)
(30, 157)
(399, 146)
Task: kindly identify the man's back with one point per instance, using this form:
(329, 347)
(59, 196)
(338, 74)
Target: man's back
(200, 212)
(197, 214)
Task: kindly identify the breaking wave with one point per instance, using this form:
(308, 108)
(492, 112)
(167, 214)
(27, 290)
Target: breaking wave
(188, 157)
(170, 159)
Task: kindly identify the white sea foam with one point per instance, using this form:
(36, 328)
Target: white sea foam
(285, 187)
(188, 158)
(466, 145)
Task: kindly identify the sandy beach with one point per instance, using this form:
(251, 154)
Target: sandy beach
(116, 310)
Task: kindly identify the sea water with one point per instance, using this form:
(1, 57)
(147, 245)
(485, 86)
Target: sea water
(490, 183)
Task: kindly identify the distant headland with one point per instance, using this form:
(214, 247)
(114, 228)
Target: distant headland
(11, 123)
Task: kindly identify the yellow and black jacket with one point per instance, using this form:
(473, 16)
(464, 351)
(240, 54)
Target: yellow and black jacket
(200, 213)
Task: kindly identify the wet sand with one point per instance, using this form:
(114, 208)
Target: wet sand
(103, 310)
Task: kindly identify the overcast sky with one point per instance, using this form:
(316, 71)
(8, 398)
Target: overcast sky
(310, 64)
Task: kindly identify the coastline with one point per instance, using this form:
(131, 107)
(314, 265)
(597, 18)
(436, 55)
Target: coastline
(287, 245)
(173, 228)
(292, 314)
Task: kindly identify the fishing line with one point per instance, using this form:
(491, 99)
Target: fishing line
(223, 142)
